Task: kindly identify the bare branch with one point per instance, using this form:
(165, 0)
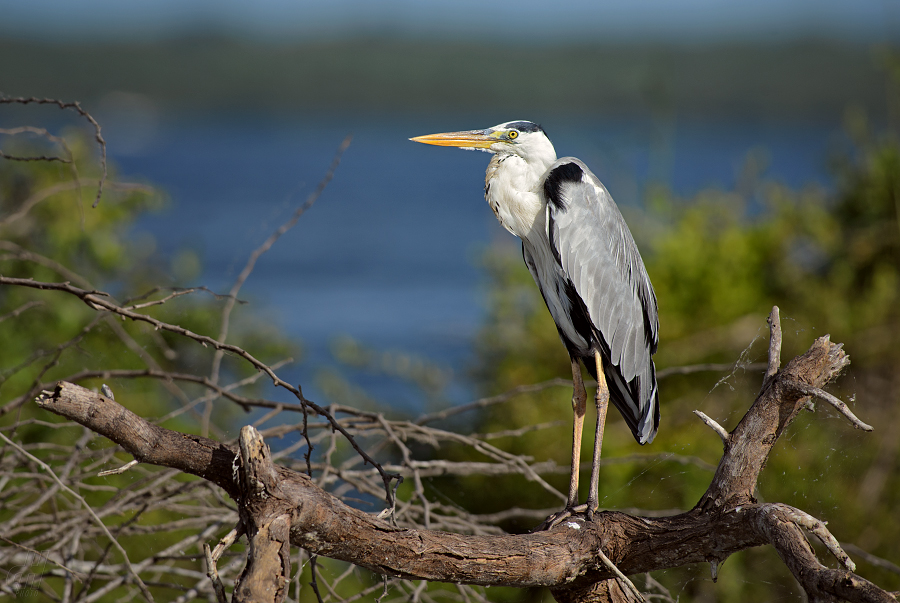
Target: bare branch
(118, 471)
(35, 158)
(76, 107)
(96, 300)
(774, 321)
(213, 573)
(838, 404)
(23, 308)
(77, 575)
(720, 431)
(807, 521)
(266, 519)
(755, 435)
(155, 290)
(88, 508)
(870, 558)
(778, 524)
(727, 519)
(267, 244)
(629, 585)
(690, 369)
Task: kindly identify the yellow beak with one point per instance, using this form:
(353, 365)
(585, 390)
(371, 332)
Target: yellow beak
(468, 139)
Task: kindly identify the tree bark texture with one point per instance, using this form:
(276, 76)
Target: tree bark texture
(280, 507)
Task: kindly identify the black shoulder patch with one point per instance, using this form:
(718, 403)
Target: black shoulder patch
(567, 172)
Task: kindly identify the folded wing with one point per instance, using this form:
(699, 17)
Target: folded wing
(598, 255)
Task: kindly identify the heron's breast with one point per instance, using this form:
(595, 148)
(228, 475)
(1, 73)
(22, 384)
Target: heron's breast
(511, 198)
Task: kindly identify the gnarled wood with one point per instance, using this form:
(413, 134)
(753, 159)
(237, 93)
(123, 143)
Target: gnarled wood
(725, 520)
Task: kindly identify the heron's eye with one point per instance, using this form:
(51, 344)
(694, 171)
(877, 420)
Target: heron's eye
(513, 135)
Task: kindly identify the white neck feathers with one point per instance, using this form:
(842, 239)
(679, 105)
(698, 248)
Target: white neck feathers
(512, 191)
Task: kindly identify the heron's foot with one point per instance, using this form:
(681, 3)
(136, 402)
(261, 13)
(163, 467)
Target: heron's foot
(567, 513)
(591, 507)
(586, 513)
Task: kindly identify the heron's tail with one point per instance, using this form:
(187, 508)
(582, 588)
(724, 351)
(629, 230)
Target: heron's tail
(637, 400)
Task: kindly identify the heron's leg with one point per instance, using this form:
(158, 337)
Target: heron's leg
(579, 400)
(602, 401)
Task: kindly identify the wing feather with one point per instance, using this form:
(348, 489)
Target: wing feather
(598, 255)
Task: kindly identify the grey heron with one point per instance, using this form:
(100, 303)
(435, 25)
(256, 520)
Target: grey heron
(585, 262)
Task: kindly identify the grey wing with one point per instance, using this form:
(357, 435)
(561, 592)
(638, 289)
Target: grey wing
(599, 256)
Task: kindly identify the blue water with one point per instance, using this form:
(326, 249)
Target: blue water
(389, 253)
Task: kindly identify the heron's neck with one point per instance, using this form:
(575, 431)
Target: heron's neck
(511, 188)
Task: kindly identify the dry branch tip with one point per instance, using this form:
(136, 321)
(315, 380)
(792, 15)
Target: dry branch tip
(837, 403)
(121, 469)
(720, 431)
(774, 355)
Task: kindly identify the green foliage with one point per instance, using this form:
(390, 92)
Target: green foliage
(62, 239)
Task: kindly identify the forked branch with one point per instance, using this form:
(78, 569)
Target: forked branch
(275, 501)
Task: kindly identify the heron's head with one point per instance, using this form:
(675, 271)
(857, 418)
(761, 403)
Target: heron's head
(522, 138)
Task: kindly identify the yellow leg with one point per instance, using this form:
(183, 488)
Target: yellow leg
(602, 401)
(579, 399)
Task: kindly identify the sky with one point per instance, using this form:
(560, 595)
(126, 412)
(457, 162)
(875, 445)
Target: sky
(500, 20)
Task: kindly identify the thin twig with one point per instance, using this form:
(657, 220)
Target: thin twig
(267, 244)
(89, 509)
(690, 369)
(312, 572)
(78, 575)
(838, 404)
(720, 431)
(870, 558)
(629, 585)
(35, 158)
(213, 573)
(24, 307)
(120, 470)
(77, 107)
(818, 528)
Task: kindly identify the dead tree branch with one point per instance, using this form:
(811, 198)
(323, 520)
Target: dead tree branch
(100, 301)
(277, 501)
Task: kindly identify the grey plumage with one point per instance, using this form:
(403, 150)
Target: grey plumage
(583, 258)
(598, 256)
